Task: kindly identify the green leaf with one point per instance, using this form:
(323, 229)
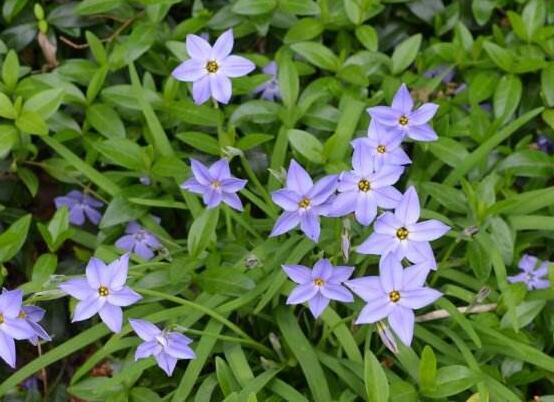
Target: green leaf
(482, 10)
(7, 109)
(8, 138)
(375, 379)
(10, 70)
(428, 369)
(202, 230)
(31, 123)
(201, 141)
(299, 7)
(367, 35)
(88, 7)
(527, 163)
(501, 57)
(143, 394)
(44, 266)
(29, 179)
(405, 53)
(124, 152)
(45, 103)
(525, 312)
(12, 239)
(547, 84)
(105, 120)
(306, 145)
(452, 380)
(254, 7)
(304, 29)
(96, 48)
(287, 77)
(304, 353)
(119, 211)
(507, 97)
(534, 16)
(227, 281)
(317, 54)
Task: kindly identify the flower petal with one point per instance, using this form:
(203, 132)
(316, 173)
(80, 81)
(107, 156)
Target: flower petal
(309, 224)
(87, 308)
(422, 132)
(344, 203)
(123, 297)
(97, 273)
(402, 100)
(77, 215)
(147, 349)
(361, 158)
(144, 329)
(201, 90)
(198, 48)
(177, 346)
(112, 317)
(298, 180)
(126, 242)
(427, 230)
(118, 272)
(375, 310)
(318, 304)
(92, 214)
(232, 200)
(402, 321)
(366, 208)
(287, 221)
(420, 252)
(387, 197)
(212, 198)
(390, 273)
(377, 243)
(166, 362)
(201, 173)
(298, 273)
(79, 288)
(415, 276)
(340, 274)
(322, 269)
(17, 328)
(223, 45)
(386, 176)
(323, 189)
(337, 292)
(528, 263)
(10, 302)
(143, 251)
(33, 313)
(286, 199)
(7, 349)
(384, 115)
(221, 88)
(302, 293)
(366, 287)
(407, 211)
(232, 184)
(220, 170)
(236, 66)
(190, 70)
(423, 114)
(418, 298)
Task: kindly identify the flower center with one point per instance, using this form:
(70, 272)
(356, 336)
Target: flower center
(1, 318)
(103, 291)
(363, 185)
(381, 149)
(22, 314)
(140, 235)
(304, 203)
(402, 233)
(212, 66)
(319, 282)
(403, 120)
(394, 296)
(216, 184)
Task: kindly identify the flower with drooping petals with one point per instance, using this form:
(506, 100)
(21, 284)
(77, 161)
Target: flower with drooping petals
(303, 201)
(209, 68)
(401, 116)
(363, 189)
(401, 235)
(80, 205)
(533, 273)
(394, 294)
(165, 346)
(33, 315)
(11, 326)
(103, 291)
(270, 89)
(216, 184)
(384, 146)
(319, 285)
(139, 241)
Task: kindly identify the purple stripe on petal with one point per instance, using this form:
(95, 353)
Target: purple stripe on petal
(407, 211)
(286, 199)
(212, 198)
(147, 349)
(427, 230)
(201, 172)
(220, 170)
(423, 114)
(232, 184)
(309, 224)
(233, 201)
(341, 274)
(376, 243)
(390, 273)
(322, 269)
(10, 302)
(387, 224)
(322, 190)
(166, 362)
(344, 203)
(17, 328)
(367, 287)
(366, 209)
(96, 273)
(384, 115)
(123, 297)
(117, 272)
(79, 288)
(423, 132)
(87, 308)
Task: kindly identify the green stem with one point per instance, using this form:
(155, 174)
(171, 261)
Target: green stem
(208, 312)
(254, 179)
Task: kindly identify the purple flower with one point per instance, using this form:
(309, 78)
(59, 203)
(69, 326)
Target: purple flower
(209, 68)
(33, 315)
(269, 89)
(319, 285)
(363, 189)
(532, 274)
(11, 326)
(139, 241)
(401, 117)
(80, 205)
(394, 294)
(384, 146)
(166, 347)
(440, 69)
(215, 183)
(303, 201)
(103, 292)
(401, 235)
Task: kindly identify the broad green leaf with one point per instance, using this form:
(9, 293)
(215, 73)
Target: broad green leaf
(45, 103)
(202, 230)
(31, 122)
(501, 57)
(428, 369)
(367, 35)
(317, 54)
(124, 152)
(375, 379)
(304, 29)
(288, 81)
(405, 53)
(299, 7)
(506, 97)
(254, 7)
(7, 109)
(547, 84)
(10, 70)
(13, 238)
(533, 16)
(105, 120)
(452, 380)
(87, 7)
(306, 145)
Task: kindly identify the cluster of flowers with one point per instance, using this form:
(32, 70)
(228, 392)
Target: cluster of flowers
(377, 163)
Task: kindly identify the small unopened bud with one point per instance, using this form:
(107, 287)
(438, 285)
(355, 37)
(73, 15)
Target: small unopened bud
(345, 244)
(483, 293)
(145, 180)
(39, 12)
(231, 152)
(471, 231)
(251, 261)
(387, 337)
(280, 175)
(276, 344)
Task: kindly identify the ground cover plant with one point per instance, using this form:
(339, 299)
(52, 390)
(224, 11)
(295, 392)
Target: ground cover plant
(277, 200)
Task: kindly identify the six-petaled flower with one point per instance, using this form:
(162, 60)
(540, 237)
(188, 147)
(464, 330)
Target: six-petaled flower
(139, 241)
(209, 68)
(269, 90)
(33, 315)
(12, 327)
(319, 285)
(80, 206)
(533, 273)
(165, 346)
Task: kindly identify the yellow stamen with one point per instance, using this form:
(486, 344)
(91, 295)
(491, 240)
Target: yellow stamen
(103, 291)
(304, 203)
(22, 314)
(381, 149)
(216, 184)
(1, 318)
(403, 120)
(394, 296)
(212, 66)
(364, 185)
(319, 282)
(402, 233)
